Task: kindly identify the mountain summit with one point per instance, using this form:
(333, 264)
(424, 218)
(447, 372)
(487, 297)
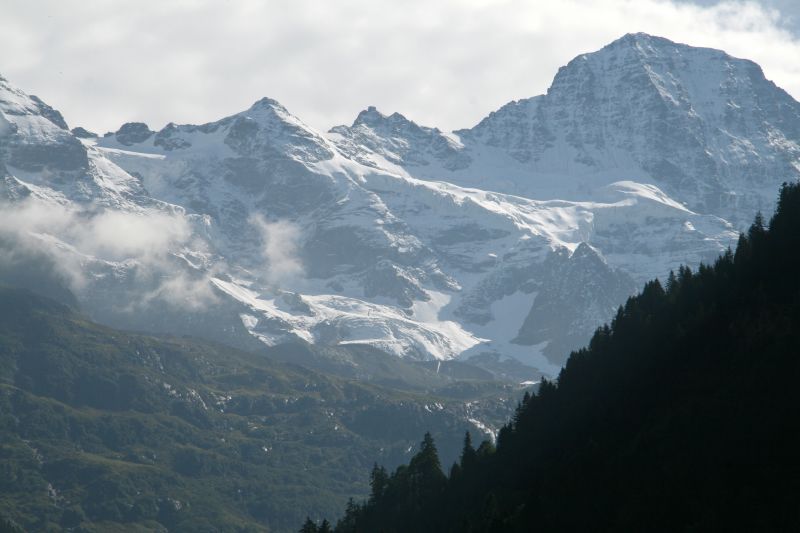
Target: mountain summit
(708, 128)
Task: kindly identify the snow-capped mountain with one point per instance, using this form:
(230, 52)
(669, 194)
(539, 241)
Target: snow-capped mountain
(707, 128)
(516, 238)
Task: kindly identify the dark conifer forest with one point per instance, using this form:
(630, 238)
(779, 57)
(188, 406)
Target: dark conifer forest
(682, 414)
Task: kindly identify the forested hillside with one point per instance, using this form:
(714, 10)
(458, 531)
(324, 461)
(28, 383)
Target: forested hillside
(683, 414)
(103, 430)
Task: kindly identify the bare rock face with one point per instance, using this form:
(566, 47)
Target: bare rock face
(133, 133)
(82, 133)
(578, 292)
(49, 113)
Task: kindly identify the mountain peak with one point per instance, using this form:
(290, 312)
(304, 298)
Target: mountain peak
(270, 111)
(696, 122)
(646, 45)
(268, 123)
(40, 134)
(133, 133)
(634, 38)
(18, 103)
(82, 133)
(369, 116)
(372, 117)
(267, 102)
(588, 257)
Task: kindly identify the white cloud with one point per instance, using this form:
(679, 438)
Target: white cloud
(26, 238)
(280, 241)
(182, 291)
(116, 235)
(445, 63)
(108, 235)
(34, 231)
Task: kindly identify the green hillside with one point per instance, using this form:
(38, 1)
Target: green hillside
(102, 430)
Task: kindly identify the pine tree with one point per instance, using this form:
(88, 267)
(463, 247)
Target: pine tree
(347, 524)
(425, 472)
(485, 450)
(684, 275)
(468, 457)
(378, 482)
(757, 229)
(672, 282)
(455, 473)
(427, 459)
(309, 527)
(504, 435)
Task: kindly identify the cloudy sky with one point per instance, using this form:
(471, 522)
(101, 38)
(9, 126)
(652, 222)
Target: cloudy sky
(445, 63)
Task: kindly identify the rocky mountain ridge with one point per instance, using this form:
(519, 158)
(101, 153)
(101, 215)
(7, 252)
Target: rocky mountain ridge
(515, 238)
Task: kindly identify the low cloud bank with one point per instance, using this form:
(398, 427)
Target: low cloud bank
(144, 250)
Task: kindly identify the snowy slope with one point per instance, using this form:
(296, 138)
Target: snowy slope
(410, 265)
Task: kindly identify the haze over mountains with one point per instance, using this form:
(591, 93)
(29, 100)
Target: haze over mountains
(515, 238)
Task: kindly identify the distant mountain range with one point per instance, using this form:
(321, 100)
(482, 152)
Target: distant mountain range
(513, 239)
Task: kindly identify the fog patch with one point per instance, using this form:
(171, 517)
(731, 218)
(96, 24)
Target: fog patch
(183, 291)
(80, 247)
(116, 236)
(280, 250)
